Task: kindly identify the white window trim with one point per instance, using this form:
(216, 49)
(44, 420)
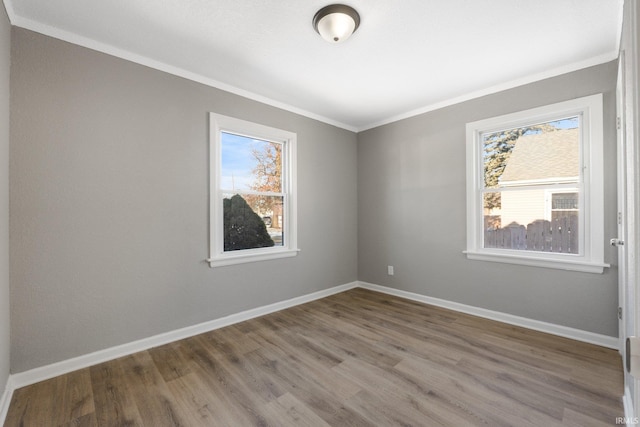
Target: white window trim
(217, 257)
(591, 259)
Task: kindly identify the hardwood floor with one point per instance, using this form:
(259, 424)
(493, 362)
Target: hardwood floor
(358, 358)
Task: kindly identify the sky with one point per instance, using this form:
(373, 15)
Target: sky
(237, 161)
(568, 123)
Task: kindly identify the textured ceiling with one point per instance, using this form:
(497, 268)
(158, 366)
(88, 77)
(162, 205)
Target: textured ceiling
(407, 57)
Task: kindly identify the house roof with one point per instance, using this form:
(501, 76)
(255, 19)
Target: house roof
(543, 156)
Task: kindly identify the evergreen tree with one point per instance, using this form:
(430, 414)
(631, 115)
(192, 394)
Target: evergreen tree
(243, 228)
(497, 150)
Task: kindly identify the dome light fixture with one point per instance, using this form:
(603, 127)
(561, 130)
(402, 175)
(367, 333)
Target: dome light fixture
(336, 22)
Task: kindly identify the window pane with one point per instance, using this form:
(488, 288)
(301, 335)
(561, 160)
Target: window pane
(250, 164)
(271, 210)
(536, 154)
(564, 201)
(530, 220)
(534, 190)
(251, 221)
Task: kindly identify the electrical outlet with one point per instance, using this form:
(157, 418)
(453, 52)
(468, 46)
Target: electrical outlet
(390, 270)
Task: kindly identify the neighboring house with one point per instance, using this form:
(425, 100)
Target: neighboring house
(539, 196)
(541, 159)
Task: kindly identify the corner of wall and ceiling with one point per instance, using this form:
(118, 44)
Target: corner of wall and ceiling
(57, 33)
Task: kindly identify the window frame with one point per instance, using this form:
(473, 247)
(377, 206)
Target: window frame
(217, 256)
(591, 258)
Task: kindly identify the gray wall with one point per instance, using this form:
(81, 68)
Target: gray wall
(109, 204)
(5, 62)
(109, 207)
(412, 212)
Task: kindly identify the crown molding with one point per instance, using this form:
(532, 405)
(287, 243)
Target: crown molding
(576, 66)
(108, 49)
(92, 44)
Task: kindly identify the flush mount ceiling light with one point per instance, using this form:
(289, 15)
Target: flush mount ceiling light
(336, 22)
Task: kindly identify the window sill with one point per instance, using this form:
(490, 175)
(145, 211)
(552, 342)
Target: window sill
(560, 264)
(234, 259)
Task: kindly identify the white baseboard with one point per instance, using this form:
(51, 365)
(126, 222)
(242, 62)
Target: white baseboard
(550, 328)
(33, 376)
(5, 400)
(49, 371)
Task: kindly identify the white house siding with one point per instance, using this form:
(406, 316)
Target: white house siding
(522, 207)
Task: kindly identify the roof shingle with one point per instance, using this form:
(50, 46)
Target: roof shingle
(544, 156)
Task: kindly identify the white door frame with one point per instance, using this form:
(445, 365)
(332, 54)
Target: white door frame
(629, 112)
(624, 311)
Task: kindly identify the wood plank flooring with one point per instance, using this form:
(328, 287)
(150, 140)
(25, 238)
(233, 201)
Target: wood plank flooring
(359, 358)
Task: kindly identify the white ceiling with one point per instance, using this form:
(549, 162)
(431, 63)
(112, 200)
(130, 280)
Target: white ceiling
(407, 57)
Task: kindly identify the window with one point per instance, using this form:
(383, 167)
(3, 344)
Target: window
(252, 192)
(535, 187)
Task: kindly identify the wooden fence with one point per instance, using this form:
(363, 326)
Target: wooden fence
(558, 235)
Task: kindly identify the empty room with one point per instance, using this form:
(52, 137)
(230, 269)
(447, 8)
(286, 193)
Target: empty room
(286, 213)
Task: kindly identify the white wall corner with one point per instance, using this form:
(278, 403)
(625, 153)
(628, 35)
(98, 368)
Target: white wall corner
(536, 325)
(5, 399)
(8, 6)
